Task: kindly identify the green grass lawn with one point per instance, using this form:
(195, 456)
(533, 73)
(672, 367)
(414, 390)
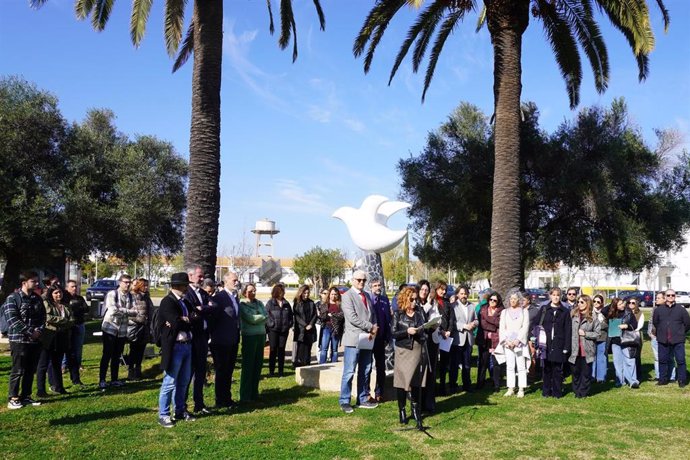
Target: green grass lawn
(294, 422)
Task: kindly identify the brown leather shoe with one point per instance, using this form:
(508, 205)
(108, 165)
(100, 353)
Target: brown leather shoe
(379, 399)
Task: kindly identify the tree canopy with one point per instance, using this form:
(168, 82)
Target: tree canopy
(591, 193)
(320, 266)
(81, 187)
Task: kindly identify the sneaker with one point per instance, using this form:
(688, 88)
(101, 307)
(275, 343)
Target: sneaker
(635, 385)
(347, 408)
(368, 405)
(14, 404)
(166, 422)
(30, 402)
(186, 416)
(202, 411)
(521, 393)
(510, 392)
(102, 384)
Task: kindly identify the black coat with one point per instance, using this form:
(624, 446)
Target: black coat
(170, 310)
(671, 323)
(279, 317)
(224, 322)
(201, 311)
(399, 329)
(557, 323)
(305, 314)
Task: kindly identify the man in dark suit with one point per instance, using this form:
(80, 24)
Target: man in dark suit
(382, 312)
(198, 317)
(225, 338)
(459, 321)
(176, 351)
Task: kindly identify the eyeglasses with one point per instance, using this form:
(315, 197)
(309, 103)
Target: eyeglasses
(581, 301)
(670, 295)
(493, 300)
(632, 303)
(126, 282)
(597, 301)
(360, 280)
(571, 293)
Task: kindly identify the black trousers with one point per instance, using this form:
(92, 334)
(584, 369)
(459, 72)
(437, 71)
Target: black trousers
(136, 357)
(429, 391)
(112, 352)
(582, 377)
(487, 362)
(443, 364)
(553, 379)
(460, 355)
(24, 362)
(199, 368)
(380, 363)
(224, 359)
(304, 353)
(276, 343)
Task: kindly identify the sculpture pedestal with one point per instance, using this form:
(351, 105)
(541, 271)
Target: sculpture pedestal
(327, 377)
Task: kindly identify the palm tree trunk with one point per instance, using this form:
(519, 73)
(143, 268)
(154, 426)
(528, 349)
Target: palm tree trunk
(203, 194)
(507, 20)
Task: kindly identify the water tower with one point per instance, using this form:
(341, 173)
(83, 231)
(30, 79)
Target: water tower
(264, 227)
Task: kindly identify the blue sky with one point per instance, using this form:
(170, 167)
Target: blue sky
(300, 140)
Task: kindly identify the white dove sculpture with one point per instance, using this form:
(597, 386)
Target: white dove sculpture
(368, 224)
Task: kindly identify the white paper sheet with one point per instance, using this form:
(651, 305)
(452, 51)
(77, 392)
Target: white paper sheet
(365, 343)
(444, 344)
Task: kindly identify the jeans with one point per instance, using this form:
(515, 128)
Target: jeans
(24, 361)
(667, 352)
(655, 350)
(624, 365)
(361, 359)
(601, 363)
(174, 386)
(328, 339)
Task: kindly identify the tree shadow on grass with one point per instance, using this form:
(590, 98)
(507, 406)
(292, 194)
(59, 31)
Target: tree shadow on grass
(276, 397)
(94, 416)
(464, 400)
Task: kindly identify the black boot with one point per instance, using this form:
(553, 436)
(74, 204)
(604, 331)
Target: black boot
(416, 414)
(402, 403)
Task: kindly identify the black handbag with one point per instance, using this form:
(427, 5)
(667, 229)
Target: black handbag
(630, 338)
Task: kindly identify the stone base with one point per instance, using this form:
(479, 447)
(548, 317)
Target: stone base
(328, 376)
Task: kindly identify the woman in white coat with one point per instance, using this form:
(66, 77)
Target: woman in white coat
(513, 336)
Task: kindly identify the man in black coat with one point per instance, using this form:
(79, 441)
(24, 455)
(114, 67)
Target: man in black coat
(176, 351)
(558, 327)
(672, 323)
(199, 318)
(225, 338)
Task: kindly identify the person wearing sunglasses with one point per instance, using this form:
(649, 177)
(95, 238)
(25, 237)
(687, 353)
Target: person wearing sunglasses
(601, 360)
(585, 332)
(488, 339)
(672, 323)
(639, 316)
(623, 356)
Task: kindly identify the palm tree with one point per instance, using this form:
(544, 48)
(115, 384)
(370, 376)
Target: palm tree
(567, 24)
(204, 41)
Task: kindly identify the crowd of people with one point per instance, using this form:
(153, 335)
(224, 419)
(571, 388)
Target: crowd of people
(431, 336)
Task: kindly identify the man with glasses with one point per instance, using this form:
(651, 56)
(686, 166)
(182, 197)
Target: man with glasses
(671, 322)
(570, 297)
(359, 319)
(383, 318)
(119, 306)
(651, 332)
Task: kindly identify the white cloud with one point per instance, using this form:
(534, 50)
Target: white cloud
(320, 114)
(354, 124)
(295, 197)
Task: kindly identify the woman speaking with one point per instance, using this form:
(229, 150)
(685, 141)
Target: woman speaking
(409, 371)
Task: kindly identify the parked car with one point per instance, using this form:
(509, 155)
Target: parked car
(683, 298)
(537, 296)
(99, 289)
(644, 298)
(622, 294)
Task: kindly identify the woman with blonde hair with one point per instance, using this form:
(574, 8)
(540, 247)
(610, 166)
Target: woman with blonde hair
(409, 372)
(585, 332)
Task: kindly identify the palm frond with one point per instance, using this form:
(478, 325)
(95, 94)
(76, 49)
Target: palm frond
(186, 50)
(481, 19)
(174, 20)
(446, 28)
(374, 27)
(287, 27)
(624, 20)
(664, 14)
(322, 17)
(101, 13)
(563, 44)
(271, 26)
(140, 16)
(83, 8)
(579, 16)
(633, 16)
(430, 19)
(36, 4)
